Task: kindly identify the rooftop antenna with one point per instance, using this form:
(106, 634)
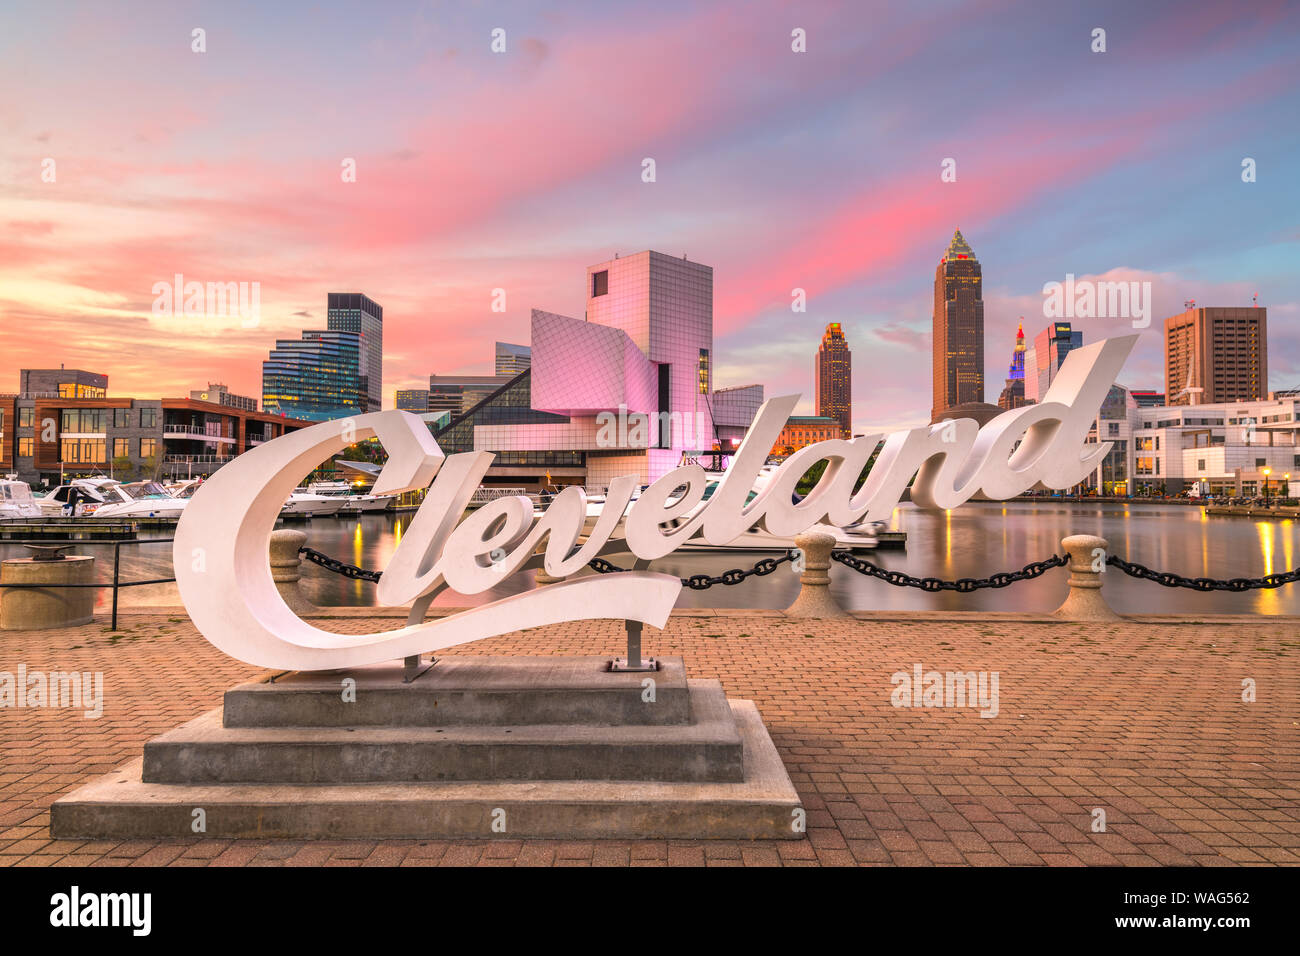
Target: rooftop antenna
(1189, 304)
(1254, 300)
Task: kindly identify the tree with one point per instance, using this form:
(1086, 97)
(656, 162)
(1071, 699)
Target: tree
(123, 470)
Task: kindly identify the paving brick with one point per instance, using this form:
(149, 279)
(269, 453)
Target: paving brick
(1187, 775)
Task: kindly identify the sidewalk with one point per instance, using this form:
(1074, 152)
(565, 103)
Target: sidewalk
(1144, 720)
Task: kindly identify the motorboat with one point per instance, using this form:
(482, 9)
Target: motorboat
(17, 501)
(353, 503)
(304, 503)
(138, 499)
(76, 498)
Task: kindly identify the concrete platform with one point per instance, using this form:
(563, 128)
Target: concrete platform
(762, 805)
(542, 746)
(468, 690)
(708, 749)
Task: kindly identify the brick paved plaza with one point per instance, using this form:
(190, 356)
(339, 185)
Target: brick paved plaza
(1144, 720)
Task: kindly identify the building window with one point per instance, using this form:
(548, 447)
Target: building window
(1112, 429)
(600, 283)
(148, 418)
(121, 447)
(26, 447)
(148, 447)
(82, 420)
(1260, 462)
(25, 417)
(1200, 464)
(121, 418)
(82, 451)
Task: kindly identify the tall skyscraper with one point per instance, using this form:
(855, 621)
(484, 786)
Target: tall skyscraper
(354, 312)
(958, 328)
(1216, 355)
(317, 378)
(1013, 395)
(834, 379)
(1044, 359)
(512, 359)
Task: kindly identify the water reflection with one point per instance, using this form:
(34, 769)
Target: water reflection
(972, 541)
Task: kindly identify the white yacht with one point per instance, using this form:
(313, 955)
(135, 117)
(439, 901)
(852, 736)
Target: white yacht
(16, 499)
(139, 499)
(303, 503)
(352, 503)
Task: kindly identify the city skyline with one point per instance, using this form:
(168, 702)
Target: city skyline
(212, 178)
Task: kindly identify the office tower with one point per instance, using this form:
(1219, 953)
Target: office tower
(354, 312)
(317, 378)
(1013, 395)
(1216, 354)
(512, 359)
(459, 393)
(1044, 359)
(958, 328)
(412, 400)
(834, 379)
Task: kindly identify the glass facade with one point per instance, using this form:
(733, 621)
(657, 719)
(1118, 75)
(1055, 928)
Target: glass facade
(316, 379)
(510, 404)
(512, 359)
(354, 312)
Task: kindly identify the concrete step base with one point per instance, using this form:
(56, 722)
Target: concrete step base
(708, 749)
(468, 690)
(762, 805)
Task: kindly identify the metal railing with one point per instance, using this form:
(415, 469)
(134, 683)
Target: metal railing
(117, 582)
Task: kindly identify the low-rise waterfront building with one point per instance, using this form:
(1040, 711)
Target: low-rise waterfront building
(46, 438)
(1220, 449)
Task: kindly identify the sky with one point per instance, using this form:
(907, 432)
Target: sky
(126, 158)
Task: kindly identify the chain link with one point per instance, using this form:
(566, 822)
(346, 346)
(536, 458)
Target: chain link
(338, 567)
(1001, 579)
(965, 585)
(702, 582)
(1171, 580)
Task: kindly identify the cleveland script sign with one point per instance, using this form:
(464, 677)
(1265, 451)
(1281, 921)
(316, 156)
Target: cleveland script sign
(224, 575)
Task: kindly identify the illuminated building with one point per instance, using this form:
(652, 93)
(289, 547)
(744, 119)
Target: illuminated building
(834, 380)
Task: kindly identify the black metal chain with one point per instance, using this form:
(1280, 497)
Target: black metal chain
(702, 582)
(696, 582)
(1171, 580)
(899, 579)
(338, 567)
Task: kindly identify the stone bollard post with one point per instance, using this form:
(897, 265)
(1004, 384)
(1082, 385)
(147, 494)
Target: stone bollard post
(286, 570)
(24, 609)
(815, 598)
(1085, 602)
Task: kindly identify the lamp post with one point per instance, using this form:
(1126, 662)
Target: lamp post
(1267, 471)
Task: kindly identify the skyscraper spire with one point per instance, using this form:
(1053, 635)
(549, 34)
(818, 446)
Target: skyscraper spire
(958, 339)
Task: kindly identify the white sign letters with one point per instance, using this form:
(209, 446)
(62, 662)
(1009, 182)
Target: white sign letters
(234, 603)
